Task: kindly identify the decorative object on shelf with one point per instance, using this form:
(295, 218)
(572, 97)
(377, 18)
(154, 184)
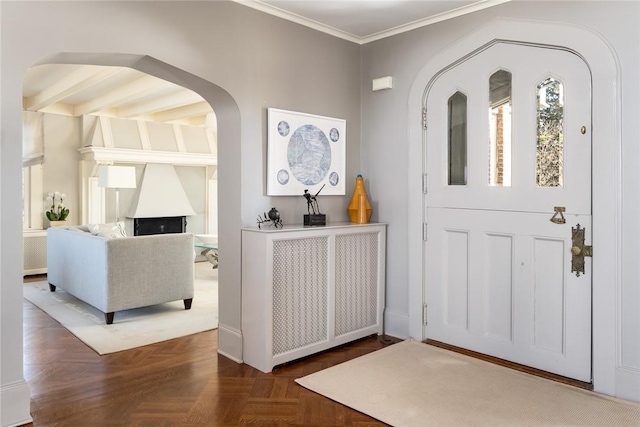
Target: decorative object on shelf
(305, 151)
(117, 177)
(57, 213)
(314, 217)
(273, 218)
(359, 208)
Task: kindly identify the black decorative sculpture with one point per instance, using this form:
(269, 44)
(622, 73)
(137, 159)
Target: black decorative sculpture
(273, 218)
(314, 217)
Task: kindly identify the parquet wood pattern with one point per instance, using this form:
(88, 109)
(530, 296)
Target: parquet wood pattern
(181, 382)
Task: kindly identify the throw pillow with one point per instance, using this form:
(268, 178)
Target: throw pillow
(112, 230)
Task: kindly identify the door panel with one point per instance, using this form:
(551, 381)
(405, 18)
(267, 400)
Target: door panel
(497, 271)
(456, 280)
(498, 300)
(500, 284)
(549, 288)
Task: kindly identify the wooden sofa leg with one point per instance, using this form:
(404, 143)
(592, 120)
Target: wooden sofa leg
(52, 288)
(187, 303)
(108, 317)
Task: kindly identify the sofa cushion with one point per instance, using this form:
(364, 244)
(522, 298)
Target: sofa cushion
(110, 231)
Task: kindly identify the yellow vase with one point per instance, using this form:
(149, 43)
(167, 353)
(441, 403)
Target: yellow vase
(359, 208)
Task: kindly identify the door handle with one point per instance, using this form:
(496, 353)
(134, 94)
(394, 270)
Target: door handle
(578, 250)
(558, 210)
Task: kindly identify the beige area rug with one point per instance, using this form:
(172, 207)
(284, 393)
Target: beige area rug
(415, 384)
(136, 327)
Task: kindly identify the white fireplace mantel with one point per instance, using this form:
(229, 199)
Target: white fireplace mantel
(104, 155)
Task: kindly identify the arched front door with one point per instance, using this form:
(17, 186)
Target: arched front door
(508, 183)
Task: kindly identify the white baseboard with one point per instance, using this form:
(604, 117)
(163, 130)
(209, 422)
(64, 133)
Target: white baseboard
(396, 323)
(230, 343)
(15, 404)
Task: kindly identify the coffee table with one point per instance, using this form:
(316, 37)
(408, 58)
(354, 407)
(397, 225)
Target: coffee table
(208, 248)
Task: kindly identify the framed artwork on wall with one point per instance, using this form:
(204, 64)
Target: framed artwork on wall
(305, 152)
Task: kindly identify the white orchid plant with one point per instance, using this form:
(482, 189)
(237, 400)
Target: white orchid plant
(57, 211)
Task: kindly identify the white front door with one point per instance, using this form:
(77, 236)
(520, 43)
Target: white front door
(508, 140)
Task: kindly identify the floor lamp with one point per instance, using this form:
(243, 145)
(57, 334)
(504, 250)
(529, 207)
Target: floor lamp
(117, 177)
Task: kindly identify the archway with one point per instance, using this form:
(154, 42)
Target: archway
(229, 222)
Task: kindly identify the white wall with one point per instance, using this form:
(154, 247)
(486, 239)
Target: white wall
(386, 153)
(251, 58)
(61, 141)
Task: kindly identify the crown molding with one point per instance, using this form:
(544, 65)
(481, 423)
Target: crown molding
(275, 11)
(454, 13)
(298, 19)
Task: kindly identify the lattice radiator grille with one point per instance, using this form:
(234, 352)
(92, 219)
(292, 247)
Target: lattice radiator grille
(35, 253)
(356, 281)
(300, 283)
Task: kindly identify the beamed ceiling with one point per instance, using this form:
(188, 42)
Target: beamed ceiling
(78, 90)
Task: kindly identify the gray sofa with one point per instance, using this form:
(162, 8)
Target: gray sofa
(114, 274)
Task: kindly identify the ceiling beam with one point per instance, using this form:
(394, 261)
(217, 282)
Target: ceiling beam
(72, 83)
(136, 89)
(167, 102)
(196, 109)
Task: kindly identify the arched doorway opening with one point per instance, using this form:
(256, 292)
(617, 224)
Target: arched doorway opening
(606, 148)
(228, 174)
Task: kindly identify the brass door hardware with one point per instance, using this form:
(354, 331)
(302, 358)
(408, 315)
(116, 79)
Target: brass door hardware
(558, 211)
(578, 250)
(583, 130)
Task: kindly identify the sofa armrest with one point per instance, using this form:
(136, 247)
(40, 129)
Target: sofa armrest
(76, 262)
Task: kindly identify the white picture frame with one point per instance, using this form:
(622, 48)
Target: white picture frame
(305, 152)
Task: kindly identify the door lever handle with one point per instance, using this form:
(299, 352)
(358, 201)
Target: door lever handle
(578, 250)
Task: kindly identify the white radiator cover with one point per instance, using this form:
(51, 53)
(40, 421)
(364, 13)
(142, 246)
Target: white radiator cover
(300, 289)
(35, 252)
(356, 262)
(308, 289)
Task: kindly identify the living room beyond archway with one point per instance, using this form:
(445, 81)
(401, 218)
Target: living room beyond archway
(109, 131)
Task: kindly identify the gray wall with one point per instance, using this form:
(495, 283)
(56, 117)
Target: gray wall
(385, 145)
(254, 57)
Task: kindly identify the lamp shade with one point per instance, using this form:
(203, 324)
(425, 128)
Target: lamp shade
(117, 177)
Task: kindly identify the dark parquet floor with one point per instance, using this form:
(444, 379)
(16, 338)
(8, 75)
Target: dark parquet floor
(181, 382)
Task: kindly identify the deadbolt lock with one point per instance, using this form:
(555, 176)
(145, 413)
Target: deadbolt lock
(578, 250)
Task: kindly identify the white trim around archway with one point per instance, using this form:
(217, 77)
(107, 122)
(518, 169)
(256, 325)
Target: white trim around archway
(606, 209)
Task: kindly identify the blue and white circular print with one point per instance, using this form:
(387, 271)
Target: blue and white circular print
(283, 128)
(334, 134)
(283, 176)
(334, 178)
(309, 154)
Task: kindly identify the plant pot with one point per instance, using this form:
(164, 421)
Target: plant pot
(57, 223)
